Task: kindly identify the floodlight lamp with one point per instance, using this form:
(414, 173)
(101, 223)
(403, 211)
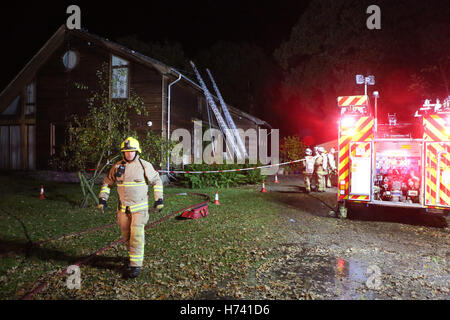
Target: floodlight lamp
(359, 79)
(370, 80)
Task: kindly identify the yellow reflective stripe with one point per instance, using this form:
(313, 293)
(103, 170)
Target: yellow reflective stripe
(105, 189)
(136, 256)
(140, 204)
(136, 207)
(131, 184)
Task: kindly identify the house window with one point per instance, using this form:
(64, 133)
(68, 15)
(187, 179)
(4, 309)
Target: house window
(120, 71)
(70, 59)
(13, 109)
(31, 99)
(57, 138)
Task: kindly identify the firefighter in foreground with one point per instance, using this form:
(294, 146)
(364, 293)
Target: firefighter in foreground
(132, 176)
(320, 168)
(308, 172)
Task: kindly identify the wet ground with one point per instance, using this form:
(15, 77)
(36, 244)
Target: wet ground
(377, 253)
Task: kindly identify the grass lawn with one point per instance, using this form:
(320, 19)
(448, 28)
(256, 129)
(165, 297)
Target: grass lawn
(184, 259)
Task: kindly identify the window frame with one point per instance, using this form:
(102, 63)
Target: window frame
(112, 68)
(77, 55)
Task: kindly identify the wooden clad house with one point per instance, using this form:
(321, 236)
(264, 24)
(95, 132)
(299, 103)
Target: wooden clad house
(36, 105)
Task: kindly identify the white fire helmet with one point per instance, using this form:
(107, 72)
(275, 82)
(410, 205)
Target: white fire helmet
(321, 149)
(308, 152)
(332, 150)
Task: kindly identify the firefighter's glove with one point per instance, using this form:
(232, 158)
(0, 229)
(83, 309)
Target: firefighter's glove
(159, 204)
(102, 204)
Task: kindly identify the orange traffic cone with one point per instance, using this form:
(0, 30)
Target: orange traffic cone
(263, 189)
(41, 196)
(216, 199)
(276, 179)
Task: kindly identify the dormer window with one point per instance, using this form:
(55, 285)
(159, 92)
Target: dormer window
(120, 70)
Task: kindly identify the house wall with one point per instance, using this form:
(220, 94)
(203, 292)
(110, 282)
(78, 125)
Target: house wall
(30, 138)
(58, 99)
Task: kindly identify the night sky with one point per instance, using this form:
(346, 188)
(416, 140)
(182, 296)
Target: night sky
(26, 26)
(197, 25)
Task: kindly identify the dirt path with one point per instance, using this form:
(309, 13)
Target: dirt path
(375, 254)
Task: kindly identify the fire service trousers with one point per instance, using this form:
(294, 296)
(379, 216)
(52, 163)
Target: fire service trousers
(321, 181)
(307, 177)
(329, 185)
(132, 228)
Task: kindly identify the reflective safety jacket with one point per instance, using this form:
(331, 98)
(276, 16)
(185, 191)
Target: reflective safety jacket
(331, 161)
(309, 165)
(132, 179)
(321, 164)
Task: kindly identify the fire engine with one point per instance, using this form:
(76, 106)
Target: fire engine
(394, 164)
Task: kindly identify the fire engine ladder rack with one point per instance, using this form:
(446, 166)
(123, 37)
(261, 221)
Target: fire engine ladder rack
(222, 125)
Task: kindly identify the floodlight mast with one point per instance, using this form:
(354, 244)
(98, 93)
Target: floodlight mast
(376, 95)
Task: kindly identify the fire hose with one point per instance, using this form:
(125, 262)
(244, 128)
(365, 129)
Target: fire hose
(112, 244)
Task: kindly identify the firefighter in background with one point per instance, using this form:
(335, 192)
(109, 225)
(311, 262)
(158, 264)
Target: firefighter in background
(132, 176)
(308, 171)
(320, 168)
(331, 166)
(315, 179)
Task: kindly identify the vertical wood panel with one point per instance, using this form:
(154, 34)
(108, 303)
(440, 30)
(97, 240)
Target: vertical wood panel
(4, 147)
(31, 147)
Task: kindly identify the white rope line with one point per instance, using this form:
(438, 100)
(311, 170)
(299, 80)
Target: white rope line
(234, 170)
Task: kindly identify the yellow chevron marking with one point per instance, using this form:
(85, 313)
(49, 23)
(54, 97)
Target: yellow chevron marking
(440, 134)
(343, 163)
(344, 175)
(344, 152)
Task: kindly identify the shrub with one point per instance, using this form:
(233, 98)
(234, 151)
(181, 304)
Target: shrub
(219, 180)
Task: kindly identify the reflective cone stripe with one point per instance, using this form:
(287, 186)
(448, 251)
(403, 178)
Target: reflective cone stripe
(216, 199)
(42, 196)
(352, 101)
(263, 189)
(362, 133)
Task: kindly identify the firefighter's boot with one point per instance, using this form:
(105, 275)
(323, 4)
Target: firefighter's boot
(343, 212)
(134, 272)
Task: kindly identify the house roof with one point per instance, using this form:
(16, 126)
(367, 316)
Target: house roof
(29, 71)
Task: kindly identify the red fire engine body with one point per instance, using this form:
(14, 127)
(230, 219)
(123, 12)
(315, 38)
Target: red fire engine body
(386, 164)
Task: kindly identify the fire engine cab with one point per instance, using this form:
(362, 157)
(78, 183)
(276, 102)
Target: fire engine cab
(393, 164)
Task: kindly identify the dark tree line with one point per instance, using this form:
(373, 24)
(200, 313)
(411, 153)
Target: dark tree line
(295, 87)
